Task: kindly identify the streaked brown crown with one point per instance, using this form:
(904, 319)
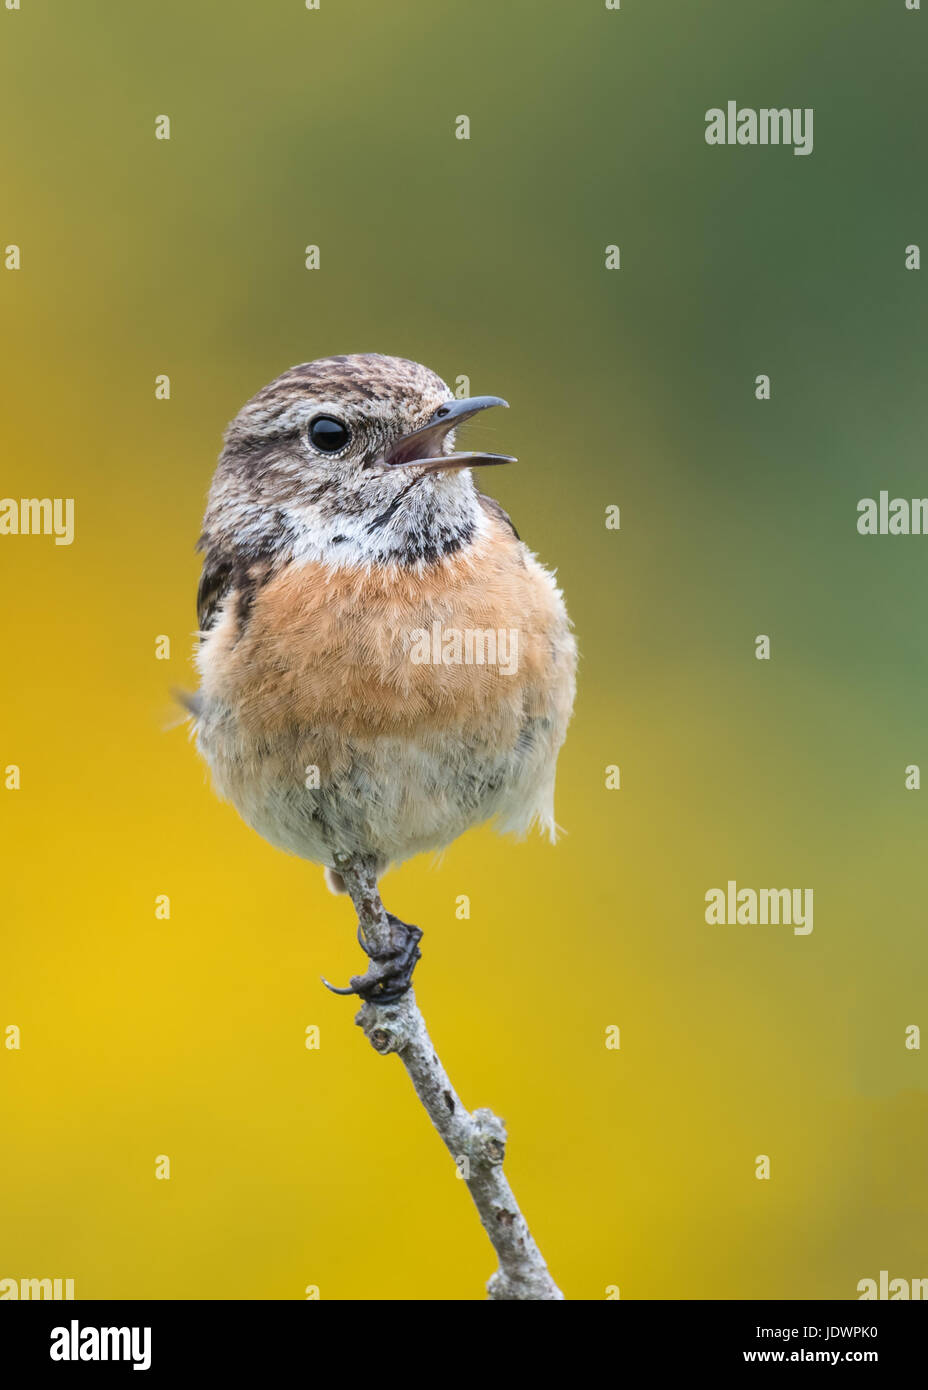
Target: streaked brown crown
(367, 384)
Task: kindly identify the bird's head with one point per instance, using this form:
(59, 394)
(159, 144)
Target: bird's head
(349, 460)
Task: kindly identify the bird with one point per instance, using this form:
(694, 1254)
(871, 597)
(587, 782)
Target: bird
(383, 663)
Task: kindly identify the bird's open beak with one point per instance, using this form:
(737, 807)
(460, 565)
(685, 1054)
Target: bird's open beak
(422, 448)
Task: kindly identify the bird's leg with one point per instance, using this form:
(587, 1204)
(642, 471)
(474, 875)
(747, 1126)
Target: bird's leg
(391, 945)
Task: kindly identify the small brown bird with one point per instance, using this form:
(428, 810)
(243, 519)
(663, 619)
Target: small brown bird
(383, 662)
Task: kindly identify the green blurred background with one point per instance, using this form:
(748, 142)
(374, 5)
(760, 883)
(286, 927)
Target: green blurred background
(140, 1037)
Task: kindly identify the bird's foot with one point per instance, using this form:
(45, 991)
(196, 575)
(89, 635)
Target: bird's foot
(389, 974)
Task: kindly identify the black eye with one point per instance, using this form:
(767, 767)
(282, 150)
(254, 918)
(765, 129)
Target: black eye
(328, 434)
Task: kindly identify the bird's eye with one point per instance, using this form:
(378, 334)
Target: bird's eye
(328, 434)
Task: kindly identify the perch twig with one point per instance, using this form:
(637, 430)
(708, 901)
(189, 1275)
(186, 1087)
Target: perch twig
(476, 1141)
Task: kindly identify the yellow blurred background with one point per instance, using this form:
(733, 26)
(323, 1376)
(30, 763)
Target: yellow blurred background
(142, 1037)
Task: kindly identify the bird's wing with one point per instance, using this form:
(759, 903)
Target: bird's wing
(492, 508)
(215, 583)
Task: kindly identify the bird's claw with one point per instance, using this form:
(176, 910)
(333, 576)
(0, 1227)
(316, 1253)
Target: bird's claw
(389, 975)
(336, 989)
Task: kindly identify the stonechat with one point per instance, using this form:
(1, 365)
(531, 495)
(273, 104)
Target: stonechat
(383, 662)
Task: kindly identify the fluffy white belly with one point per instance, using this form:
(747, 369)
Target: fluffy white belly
(318, 794)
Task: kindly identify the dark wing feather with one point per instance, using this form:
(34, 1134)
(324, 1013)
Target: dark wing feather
(215, 583)
(491, 506)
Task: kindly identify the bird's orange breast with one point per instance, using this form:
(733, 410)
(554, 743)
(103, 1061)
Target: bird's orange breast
(386, 650)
